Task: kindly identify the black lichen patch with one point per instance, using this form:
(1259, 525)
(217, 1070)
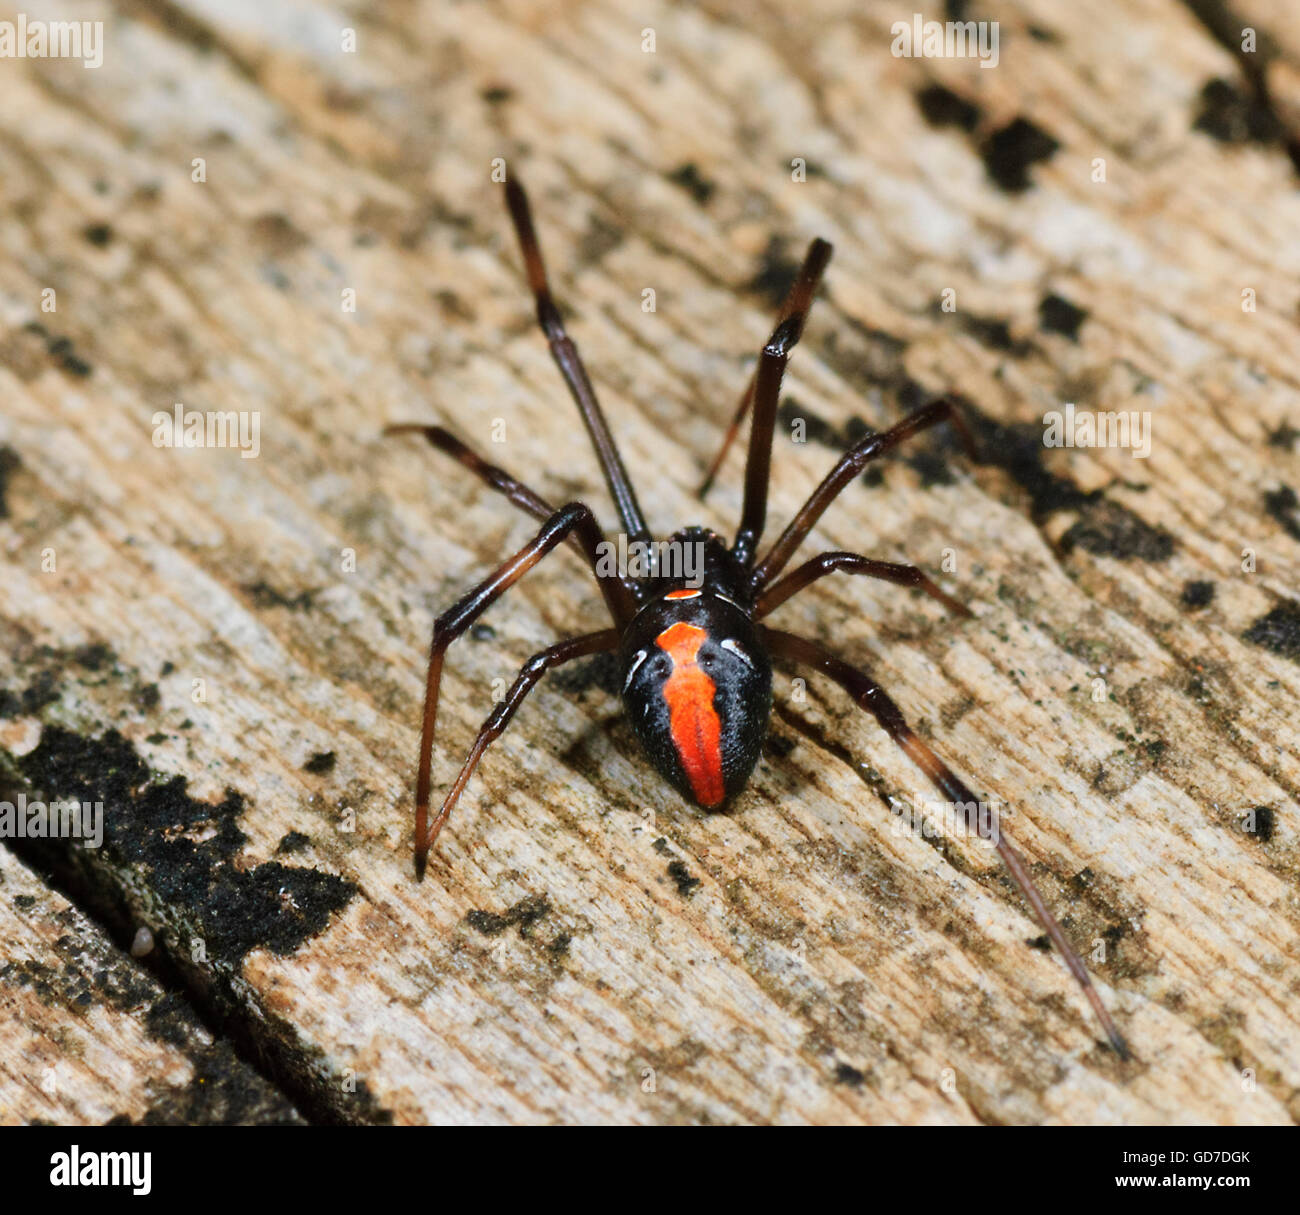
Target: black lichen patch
(43, 690)
(993, 332)
(94, 656)
(1058, 315)
(146, 697)
(223, 1091)
(266, 596)
(1261, 823)
(525, 913)
(802, 424)
(496, 94)
(845, 1074)
(682, 878)
(1108, 529)
(776, 274)
(1284, 437)
(1278, 630)
(99, 235)
(1281, 504)
(942, 107)
(1042, 942)
(291, 842)
(187, 847)
(690, 179)
(1105, 528)
(1234, 116)
(1011, 151)
(320, 764)
(61, 349)
(10, 463)
(1197, 594)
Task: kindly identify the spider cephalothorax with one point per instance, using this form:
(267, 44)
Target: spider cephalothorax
(694, 653)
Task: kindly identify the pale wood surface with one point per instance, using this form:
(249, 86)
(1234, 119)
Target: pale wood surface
(799, 959)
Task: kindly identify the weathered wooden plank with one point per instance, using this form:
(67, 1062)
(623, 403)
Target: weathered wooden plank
(582, 931)
(90, 1037)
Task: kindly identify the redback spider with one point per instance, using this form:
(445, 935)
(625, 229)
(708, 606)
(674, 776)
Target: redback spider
(694, 659)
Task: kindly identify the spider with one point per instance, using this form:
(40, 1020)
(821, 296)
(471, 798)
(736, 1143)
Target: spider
(694, 655)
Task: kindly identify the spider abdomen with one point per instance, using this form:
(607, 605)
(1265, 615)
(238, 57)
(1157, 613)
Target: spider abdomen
(697, 688)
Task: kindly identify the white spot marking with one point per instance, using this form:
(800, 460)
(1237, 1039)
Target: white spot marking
(734, 648)
(636, 662)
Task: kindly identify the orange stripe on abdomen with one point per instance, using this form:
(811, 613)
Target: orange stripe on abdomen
(692, 719)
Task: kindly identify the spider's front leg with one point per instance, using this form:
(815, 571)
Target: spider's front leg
(575, 518)
(870, 696)
(529, 676)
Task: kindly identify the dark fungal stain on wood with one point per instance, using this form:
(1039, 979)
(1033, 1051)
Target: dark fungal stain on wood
(60, 349)
(1057, 315)
(1011, 151)
(1281, 505)
(525, 913)
(94, 656)
(187, 846)
(1261, 822)
(43, 690)
(1104, 528)
(1278, 630)
(941, 107)
(1197, 594)
(1108, 529)
(851, 1076)
(266, 596)
(682, 877)
(993, 332)
(776, 274)
(320, 764)
(1234, 116)
(801, 423)
(291, 842)
(10, 463)
(690, 179)
(1284, 437)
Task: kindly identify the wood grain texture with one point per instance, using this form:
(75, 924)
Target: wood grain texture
(91, 1037)
(586, 947)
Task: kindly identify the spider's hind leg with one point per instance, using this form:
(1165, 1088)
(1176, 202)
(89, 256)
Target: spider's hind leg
(870, 696)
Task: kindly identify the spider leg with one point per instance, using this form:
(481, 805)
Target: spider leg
(870, 696)
(851, 563)
(575, 517)
(530, 674)
(566, 357)
(500, 480)
(849, 465)
(798, 299)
